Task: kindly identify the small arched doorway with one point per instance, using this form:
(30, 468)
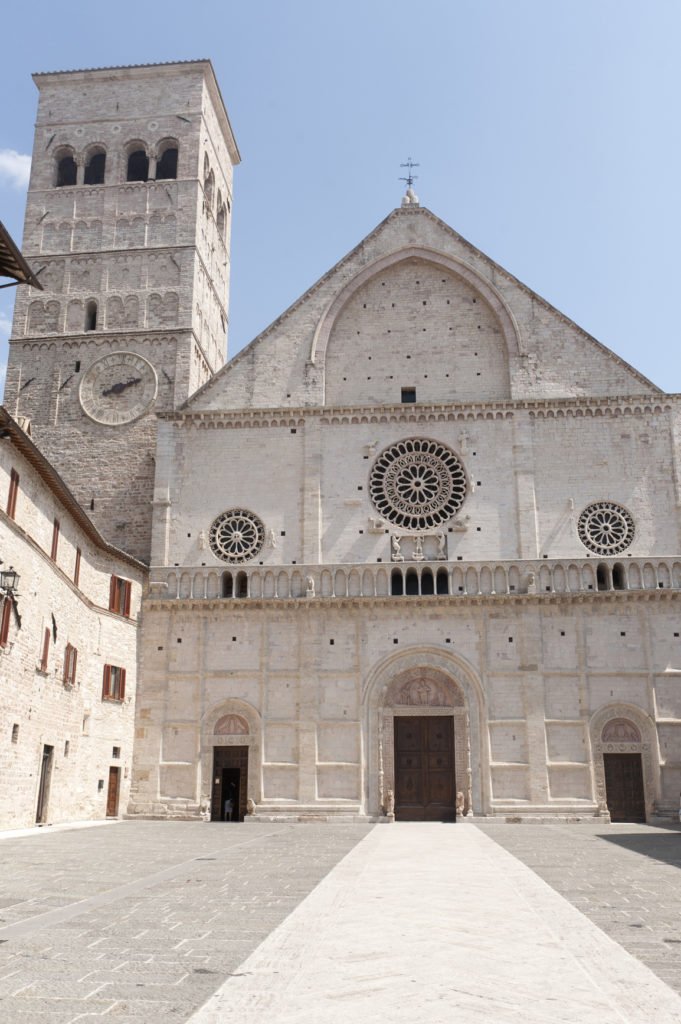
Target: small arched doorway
(230, 760)
(623, 763)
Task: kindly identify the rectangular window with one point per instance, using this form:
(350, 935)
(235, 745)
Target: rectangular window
(4, 621)
(70, 661)
(76, 568)
(113, 687)
(45, 651)
(408, 395)
(12, 496)
(55, 540)
(119, 595)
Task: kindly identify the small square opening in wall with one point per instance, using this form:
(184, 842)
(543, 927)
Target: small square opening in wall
(15, 733)
(116, 752)
(283, 533)
(179, 639)
(100, 785)
(510, 639)
(395, 640)
(676, 634)
(67, 747)
(622, 633)
(562, 632)
(294, 430)
(233, 639)
(448, 640)
(331, 642)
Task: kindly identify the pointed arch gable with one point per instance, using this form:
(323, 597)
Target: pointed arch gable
(509, 326)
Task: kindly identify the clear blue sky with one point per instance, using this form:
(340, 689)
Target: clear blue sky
(548, 134)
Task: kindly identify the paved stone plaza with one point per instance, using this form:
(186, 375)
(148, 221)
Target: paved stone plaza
(213, 924)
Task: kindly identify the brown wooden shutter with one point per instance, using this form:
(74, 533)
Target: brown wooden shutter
(46, 650)
(106, 687)
(74, 662)
(13, 491)
(76, 570)
(122, 683)
(112, 594)
(4, 622)
(55, 540)
(126, 601)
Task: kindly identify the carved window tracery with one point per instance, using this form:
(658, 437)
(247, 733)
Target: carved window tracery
(236, 536)
(417, 483)
(606, 528)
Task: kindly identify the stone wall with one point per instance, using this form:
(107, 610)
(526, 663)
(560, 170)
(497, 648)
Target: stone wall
(88, 734)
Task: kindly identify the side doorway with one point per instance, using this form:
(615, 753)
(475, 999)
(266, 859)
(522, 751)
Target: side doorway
(229, 785)
(624, 789)
(44, 785)
(112, 793)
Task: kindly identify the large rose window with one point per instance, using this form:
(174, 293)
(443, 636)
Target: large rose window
(417, 484)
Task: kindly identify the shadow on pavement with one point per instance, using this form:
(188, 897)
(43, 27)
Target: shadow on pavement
(663, 846)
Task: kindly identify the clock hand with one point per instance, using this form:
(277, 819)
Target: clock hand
(116, 389)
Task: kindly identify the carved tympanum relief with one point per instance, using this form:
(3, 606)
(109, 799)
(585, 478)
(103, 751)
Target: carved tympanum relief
(621, 730)
(231, 725)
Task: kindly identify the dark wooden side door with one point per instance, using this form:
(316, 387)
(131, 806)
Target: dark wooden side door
(112, 793)
(425, 786)
(230, 778)
(44, 784)
(624, 787)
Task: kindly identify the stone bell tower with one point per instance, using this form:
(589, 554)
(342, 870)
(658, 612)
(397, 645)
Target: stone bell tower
(128, 225)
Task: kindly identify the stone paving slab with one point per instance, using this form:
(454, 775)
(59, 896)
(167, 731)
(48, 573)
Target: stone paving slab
(139, 923)
(430, 924)
(626, 878)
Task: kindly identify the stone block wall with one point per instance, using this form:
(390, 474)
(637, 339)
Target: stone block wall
(38, 708)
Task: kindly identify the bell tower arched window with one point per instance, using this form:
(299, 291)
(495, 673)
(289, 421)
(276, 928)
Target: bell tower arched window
(138, 166)
(66, 170)
(166, 168)
(95, 168)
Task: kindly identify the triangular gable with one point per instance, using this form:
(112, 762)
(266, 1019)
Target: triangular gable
(552, 357)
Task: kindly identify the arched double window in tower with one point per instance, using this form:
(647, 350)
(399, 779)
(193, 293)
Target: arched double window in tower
(66, 169)
(95, 166)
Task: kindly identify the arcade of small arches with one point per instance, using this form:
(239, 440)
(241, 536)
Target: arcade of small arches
(143, 163)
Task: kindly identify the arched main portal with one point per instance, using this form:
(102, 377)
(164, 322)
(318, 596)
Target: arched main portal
(626, 772)
(420, 697)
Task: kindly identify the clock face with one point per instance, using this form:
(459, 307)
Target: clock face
(119, 388)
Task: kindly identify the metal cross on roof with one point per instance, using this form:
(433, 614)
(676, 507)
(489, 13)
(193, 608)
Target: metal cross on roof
(411, 178)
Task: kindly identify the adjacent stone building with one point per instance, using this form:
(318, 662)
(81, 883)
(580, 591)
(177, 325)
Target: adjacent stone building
(68, 649)
(414, 552)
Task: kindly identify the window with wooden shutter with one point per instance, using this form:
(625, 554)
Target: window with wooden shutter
(55, 540)
(120, 591)
(70, 661)
(113, 686)
(5, 620)
(12, 496)
(76, 568)
(45, 651)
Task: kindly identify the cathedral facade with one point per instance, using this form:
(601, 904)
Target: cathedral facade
(414, 552)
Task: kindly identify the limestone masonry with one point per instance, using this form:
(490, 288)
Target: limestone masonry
(413, 553)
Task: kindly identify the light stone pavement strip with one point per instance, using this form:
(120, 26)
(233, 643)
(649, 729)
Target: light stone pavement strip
(431, 924)
(624, 877)
(139, 922)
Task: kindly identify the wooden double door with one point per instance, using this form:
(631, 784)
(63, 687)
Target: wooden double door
(425, 783)
(624, 787)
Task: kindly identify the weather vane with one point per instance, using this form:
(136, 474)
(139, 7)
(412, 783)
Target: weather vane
(411, 178)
